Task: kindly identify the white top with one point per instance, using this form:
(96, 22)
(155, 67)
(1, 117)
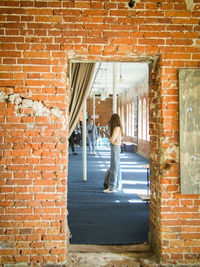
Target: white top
(116, 138)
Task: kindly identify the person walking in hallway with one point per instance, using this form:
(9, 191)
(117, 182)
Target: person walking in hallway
(92, 137)
(71, 143)
(115, 137)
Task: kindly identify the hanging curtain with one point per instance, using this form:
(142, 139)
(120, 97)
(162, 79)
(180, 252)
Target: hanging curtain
(81, 77)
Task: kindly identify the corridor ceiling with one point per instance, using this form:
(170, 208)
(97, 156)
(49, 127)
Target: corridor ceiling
(127, 75)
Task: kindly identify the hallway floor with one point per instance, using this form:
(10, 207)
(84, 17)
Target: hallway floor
(107, 219)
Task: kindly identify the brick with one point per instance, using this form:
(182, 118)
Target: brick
(45, 182)
(21, 259)
(177, 256)
(23, 197)
(46, 196)
(93, 49)
(7, 259)
(151, 41)
(124, 48)
(177, 14)
(58, 251)
(19, 161)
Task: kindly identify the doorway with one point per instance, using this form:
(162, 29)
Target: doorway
(136, 143)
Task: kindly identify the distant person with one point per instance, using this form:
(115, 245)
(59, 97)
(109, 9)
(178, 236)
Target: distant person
(71, 143)
(115, 136)
(92, 137)
(78, 134)
(98, 134)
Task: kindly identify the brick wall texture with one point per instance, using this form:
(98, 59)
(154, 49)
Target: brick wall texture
(37, 41)
(103, 109)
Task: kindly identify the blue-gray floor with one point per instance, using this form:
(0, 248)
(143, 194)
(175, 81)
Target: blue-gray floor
(99, 218)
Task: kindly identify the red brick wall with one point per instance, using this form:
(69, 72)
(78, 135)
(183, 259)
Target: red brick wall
(37, 38)
(103, 109)
(33, 134)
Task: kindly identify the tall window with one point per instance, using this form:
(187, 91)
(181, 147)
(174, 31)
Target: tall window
(148, 135)
(136, 119)
(132, 119)
(140, 119)
(129, 119)
(144, 121)
(127, 115)
(123, 121)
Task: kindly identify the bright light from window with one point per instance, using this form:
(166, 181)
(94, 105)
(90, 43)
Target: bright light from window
(131, 163)
(131, 182)
(108, 154)
(135, 201)
(105, 162)
(134, 167)
(105, 157)
(102, 165)
(135, 191)
(133, 170)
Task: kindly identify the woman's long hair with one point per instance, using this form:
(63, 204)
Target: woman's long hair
(114, 122)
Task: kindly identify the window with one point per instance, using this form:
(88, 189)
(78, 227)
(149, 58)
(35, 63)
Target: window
(148, 135)
(136, 119)
(123, 121)
(132, 119)
(140, 119)
(144, 121)
(127, 115)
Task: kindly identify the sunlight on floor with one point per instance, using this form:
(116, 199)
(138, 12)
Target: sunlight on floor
(134, 191)
(106, 162)
(136, 201)
(104, 157)
(133, 182)
(129, 184)
(133, 170)
(129, 163)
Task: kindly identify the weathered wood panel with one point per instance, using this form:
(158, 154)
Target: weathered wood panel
(189, 110)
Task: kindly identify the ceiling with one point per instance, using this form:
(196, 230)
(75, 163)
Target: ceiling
(127, 75)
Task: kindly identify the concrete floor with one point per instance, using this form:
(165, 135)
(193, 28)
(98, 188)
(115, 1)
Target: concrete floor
(111, 256)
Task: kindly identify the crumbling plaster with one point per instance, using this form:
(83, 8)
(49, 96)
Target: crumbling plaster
(189, 4)
(38, 108)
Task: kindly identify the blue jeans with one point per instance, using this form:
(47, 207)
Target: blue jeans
(115, 178)
(91, 143)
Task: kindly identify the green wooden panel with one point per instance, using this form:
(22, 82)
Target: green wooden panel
(189, 120)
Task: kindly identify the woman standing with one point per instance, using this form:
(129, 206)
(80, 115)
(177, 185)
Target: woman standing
(115, 136)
